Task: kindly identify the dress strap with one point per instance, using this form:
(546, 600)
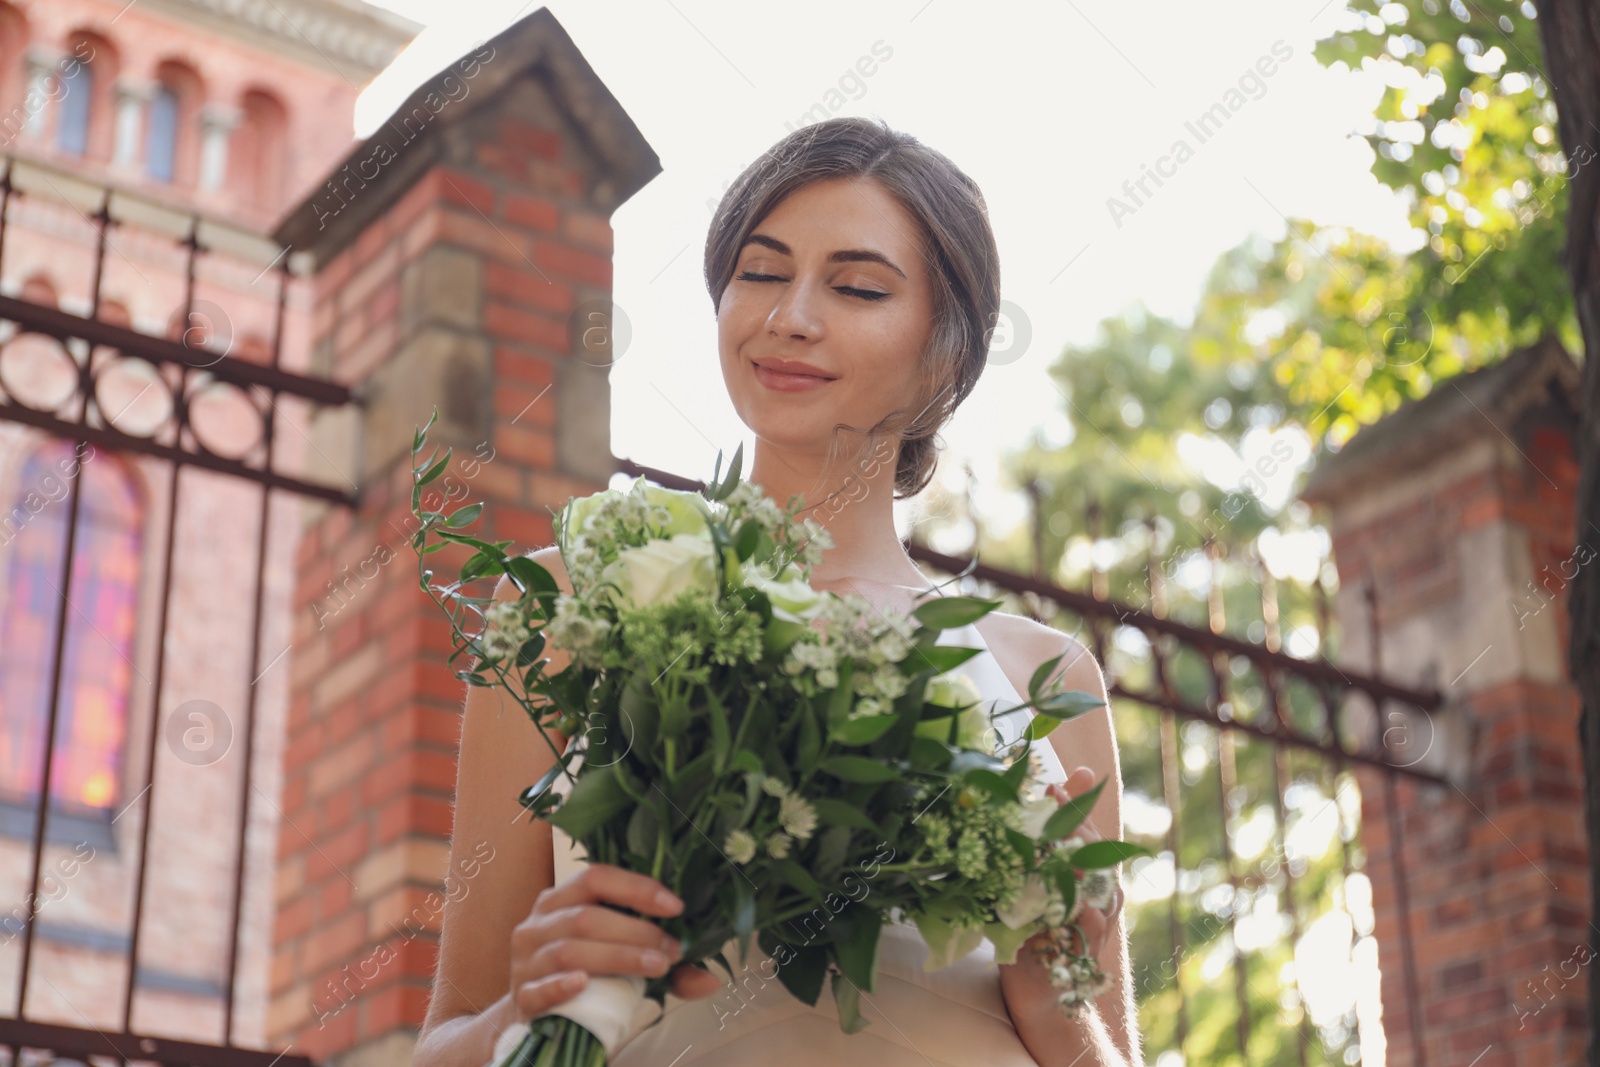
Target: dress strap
(1002, 700)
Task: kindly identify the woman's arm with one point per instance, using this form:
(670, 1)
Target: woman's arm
(1110, 1029)
(501, 752)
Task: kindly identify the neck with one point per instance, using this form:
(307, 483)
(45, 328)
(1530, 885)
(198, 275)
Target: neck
(853, 500)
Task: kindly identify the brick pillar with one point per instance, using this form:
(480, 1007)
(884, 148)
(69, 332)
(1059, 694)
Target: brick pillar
(448, 264)
(1457, 513)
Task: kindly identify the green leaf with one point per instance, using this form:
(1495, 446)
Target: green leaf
(857, 948)
(1069, 704)
(808, 746)
(464, 516)
(791, 873)
(1070, 815)
(422, 432)
(840, 699)
(847, 999)
(862, 730)
(643, 831)
(1105, 854)
(540, 790)
(596, 799)
(991, 783)
(734, 467)
(744, 913)
(434, 471)
(949, 612)
(638, 709)
(802, 975)
(746, 540)
(746, 761)
(1067, 885)
(721, 739)
(531, 577)
(943, 658)
(859, 769)
(1039, 727)
(838, 813)
(1043, 673)
(832, 846)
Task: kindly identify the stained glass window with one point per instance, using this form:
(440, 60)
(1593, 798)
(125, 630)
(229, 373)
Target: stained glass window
(95, 684)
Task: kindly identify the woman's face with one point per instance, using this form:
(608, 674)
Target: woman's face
(833, 277)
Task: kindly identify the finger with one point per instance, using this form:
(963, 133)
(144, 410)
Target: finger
(606, 883)
(693, 982)
(540, 996)
(595, 922)
(600, 957)
(1081, 780)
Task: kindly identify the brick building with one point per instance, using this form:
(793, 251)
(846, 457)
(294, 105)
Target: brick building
(232, 112)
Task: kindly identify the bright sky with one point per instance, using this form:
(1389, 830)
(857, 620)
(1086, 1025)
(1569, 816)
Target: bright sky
(1051, 108)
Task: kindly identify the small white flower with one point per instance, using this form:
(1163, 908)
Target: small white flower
(1099, 888)
(773, 787)
(778, 845)
(797, 816)
(740, 846)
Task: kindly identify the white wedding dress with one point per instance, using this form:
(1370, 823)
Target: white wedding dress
(953, 1017)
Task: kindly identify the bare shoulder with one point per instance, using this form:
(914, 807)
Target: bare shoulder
(1021, 644)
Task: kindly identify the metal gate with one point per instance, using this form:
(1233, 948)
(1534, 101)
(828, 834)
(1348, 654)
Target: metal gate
(187, 372)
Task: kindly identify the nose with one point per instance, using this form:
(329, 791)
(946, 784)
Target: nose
(794, 316)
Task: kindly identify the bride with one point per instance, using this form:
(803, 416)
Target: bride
(855, 281)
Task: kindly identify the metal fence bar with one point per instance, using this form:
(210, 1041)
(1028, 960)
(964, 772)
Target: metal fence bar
(255, 668)
(82, 338)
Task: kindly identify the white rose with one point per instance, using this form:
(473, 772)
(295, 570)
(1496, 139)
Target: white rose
(792, 600)
(1029, 905)
(1035, 812)
(687, 513)
(662, 570)
(794, 605)
(973, 728)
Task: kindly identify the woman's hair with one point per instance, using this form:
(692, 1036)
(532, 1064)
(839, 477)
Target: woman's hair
(957, 245)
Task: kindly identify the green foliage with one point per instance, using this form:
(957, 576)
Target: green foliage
(1320, 332)
(1466, 134)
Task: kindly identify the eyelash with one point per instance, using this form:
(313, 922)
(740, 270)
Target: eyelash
(872, 295)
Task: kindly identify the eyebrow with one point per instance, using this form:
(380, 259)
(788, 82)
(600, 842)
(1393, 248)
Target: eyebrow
(844, 255)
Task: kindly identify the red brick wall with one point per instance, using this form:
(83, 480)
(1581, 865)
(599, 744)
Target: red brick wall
(374, 715)
(1496, 865)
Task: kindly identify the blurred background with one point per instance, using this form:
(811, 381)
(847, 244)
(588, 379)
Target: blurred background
(1280, 419)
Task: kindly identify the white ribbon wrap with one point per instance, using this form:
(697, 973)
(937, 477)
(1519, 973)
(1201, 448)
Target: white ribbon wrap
(612, 1007)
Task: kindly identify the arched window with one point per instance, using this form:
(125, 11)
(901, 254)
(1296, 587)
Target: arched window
(87, 770)
(161, 141)
(172, 124)
(257, 151)
(72, 123)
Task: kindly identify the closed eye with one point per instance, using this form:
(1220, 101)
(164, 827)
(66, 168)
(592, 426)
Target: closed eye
(865, 294)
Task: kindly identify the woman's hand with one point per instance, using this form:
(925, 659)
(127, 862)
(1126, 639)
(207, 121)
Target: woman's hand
(1026, 984)
(571, 934)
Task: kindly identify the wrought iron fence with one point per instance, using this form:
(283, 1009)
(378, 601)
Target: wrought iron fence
(86, 356)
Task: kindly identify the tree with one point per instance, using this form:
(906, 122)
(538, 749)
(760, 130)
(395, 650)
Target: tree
(1572, 41)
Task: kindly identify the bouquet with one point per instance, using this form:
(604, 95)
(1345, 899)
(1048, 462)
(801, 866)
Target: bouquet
(752, 742)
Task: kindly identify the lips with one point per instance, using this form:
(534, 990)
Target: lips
(769, 375)
(793, 367)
